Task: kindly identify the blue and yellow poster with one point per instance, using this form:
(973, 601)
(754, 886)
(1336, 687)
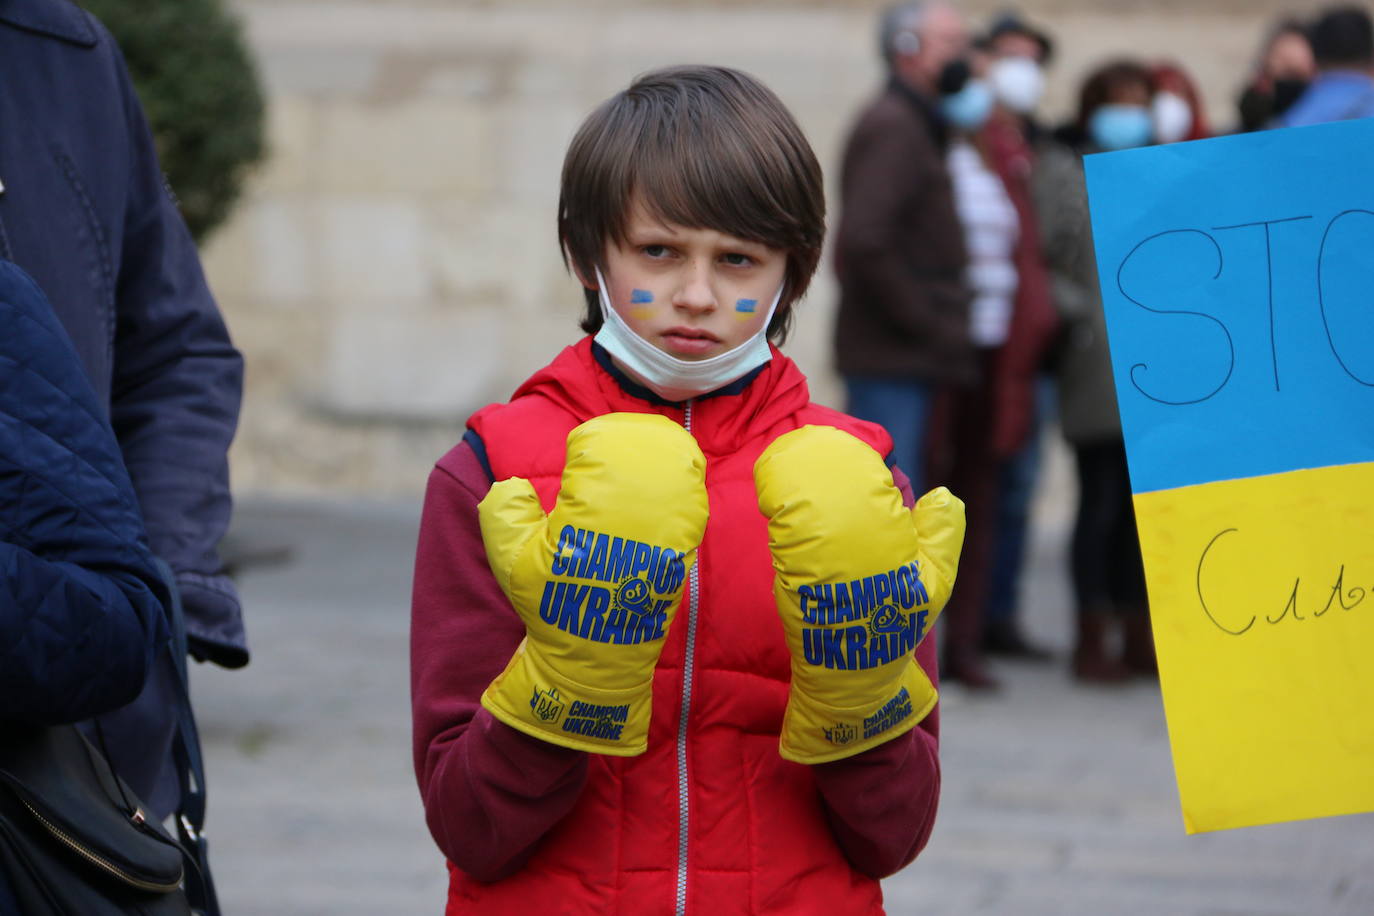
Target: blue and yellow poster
(1237, 277)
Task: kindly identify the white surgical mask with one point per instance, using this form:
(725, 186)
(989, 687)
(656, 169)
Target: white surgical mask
(1172, 116)
(1018, 83)
(667, 376)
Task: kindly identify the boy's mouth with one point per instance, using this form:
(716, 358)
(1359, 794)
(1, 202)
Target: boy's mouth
(688, 341)
(682, 331)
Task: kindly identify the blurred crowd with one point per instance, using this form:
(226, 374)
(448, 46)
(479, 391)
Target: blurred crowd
(970, 320)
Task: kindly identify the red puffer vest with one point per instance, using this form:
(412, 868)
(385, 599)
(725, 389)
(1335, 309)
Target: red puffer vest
(710, 819)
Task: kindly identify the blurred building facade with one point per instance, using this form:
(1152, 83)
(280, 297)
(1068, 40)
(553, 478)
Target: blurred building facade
(394, 265)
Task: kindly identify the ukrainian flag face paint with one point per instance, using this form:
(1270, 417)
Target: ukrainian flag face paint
(641, 304)
(745, 309)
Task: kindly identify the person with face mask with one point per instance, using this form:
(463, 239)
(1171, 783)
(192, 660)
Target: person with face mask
(979, 426)
(1108, 579)
(902, 327)
(1282, 73)
(963, 434)
(1342, 41)
(1019, 52)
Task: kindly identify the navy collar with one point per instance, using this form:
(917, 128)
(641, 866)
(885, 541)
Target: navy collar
(59, 19)
(634, 389)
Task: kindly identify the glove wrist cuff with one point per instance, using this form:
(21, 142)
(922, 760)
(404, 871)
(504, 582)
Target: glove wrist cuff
(816, 731)
(532, 697)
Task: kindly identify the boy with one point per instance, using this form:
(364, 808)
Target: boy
(608, 716)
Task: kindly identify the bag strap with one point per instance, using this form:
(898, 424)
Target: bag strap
(190, 766)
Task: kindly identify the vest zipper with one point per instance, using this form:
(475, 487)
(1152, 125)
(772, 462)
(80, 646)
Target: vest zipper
(688, 666)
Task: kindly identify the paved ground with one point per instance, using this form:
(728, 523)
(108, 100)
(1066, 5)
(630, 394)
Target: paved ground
(1057, 799)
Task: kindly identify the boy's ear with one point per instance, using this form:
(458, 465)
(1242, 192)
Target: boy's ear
(588, 281)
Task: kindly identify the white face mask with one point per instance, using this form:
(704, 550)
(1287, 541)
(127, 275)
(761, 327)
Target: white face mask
(667, 376)
(1018, 83)
(1172, 116)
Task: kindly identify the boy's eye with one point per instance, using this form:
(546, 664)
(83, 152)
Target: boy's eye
(735, 259)
(655, 251)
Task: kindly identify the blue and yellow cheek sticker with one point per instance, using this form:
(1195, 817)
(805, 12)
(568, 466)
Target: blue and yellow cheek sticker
(641, 301)
(746, 309)
(1239, 316)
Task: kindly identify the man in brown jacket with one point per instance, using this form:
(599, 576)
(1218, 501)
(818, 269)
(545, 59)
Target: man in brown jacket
(902, 331)
(903, 328)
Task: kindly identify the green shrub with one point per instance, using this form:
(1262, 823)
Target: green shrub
(200, 90)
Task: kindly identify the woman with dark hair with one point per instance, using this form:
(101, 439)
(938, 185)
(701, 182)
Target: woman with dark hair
(1108, 580)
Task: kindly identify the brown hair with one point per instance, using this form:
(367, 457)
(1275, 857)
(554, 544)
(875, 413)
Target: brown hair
(703, 147)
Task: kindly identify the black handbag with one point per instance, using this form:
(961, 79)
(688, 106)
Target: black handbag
(73, 838)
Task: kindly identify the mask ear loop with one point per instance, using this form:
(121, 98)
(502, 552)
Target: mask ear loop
(773, 309)
(602, 294)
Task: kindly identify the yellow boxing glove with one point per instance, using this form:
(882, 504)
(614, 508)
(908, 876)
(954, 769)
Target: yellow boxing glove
(596, 581)
(859, 582)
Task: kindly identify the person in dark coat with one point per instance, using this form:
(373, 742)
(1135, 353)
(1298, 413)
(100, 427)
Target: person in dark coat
(81, 609)
(902, 325)
(86, 212)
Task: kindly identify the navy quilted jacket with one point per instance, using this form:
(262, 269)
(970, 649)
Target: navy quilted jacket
(85, 212)
(79, 608)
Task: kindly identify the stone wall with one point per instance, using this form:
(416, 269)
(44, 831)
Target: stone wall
(394, 265)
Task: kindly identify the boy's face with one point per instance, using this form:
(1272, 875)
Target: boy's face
(693, 293)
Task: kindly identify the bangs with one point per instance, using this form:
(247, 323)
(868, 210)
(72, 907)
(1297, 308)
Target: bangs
(704, 163)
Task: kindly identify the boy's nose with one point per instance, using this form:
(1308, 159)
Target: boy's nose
(695, 293)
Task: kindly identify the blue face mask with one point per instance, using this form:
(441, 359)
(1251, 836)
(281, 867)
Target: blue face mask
(968, 108)
(1114, 127)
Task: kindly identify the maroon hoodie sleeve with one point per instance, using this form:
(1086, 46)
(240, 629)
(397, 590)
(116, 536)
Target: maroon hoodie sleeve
(881, 803)
(490, 792)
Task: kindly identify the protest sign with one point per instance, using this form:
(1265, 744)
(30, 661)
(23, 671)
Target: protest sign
(1237, 278)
